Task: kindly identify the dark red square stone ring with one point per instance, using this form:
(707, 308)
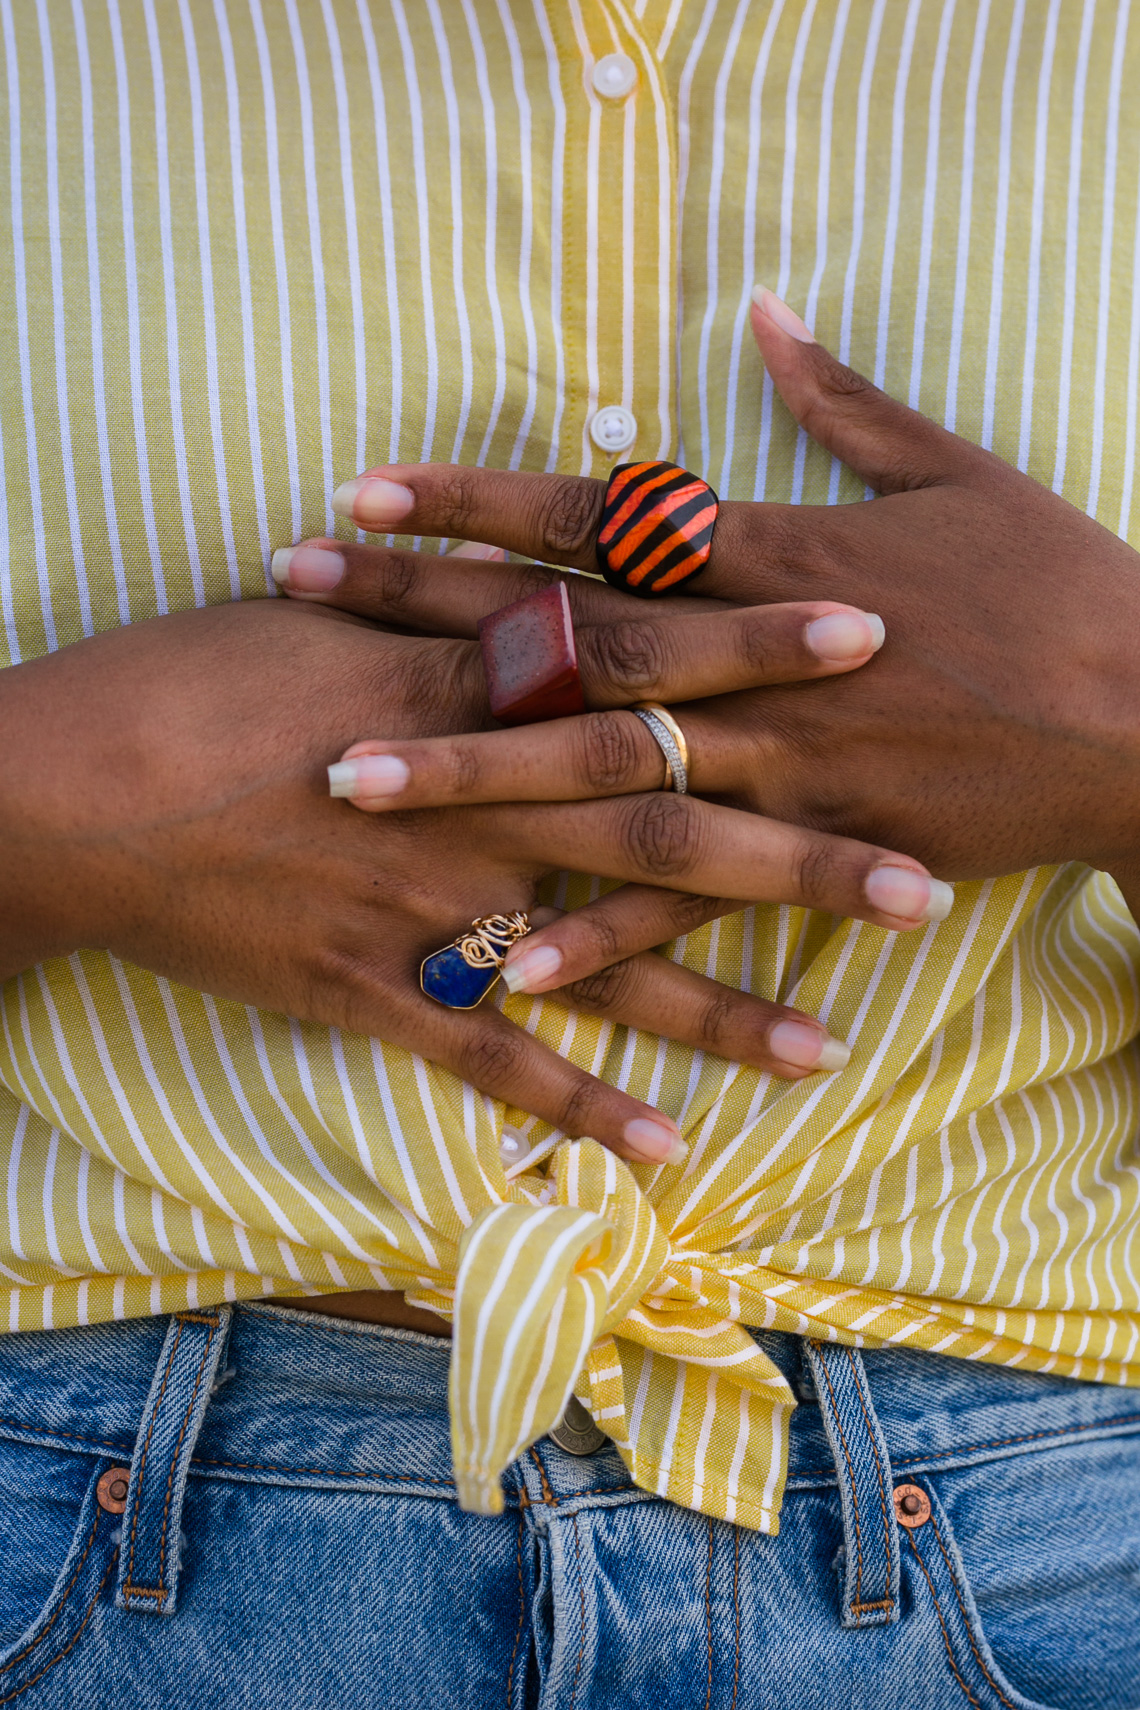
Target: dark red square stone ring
(656, 529)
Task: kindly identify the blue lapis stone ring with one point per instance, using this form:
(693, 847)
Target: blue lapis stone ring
(463, 972)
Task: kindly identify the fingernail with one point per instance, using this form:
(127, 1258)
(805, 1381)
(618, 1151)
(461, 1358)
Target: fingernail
(531, 969)
(476, 549)
(307, 569)
(655, 1142)
(372, 502)
(804, 1047)
(845, 635)
(908, 895)
(369, 775)
(769, 304)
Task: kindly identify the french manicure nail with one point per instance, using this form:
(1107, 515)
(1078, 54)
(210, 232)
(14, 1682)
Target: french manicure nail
(369, 775)
(804, 1047)
(372, 502)
(845, 635)
(908, 895)
(532, 969)
(786, 319)
(477, 549)
(654, 1142)
(307, 569)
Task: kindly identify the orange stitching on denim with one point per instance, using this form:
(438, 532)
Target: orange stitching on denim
(522, 1610)
(708, 1611)
(889, 1602)
(72, 1436)
(1030, 1437)
(41, 1636)
(73, 1641)
(547, 1494)
(177, 1451)
(319, 1472)
(198, 1318)
(146, 1449)
(995, 1443)
(941, 1622)
(851, 1475)
(582, 1607)
(883, 1603)
(966, 1618)
(736, 1606)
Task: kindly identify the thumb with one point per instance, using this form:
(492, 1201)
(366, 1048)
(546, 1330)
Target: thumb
(890, 447)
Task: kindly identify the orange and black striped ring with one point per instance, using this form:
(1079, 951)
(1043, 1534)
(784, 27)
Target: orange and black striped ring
(656, 530)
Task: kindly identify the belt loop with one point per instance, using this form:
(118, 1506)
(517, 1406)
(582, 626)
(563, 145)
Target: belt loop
(866, 1485)
(152, 1521)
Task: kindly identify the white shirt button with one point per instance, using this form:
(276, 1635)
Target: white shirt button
(613, 429)
(614, 76)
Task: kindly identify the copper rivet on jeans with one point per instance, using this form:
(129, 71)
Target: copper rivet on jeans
(111, 1491)
(912, 1506)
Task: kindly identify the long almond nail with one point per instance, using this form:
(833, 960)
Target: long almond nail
(369, 775)
(654, 1142)
(908, 895)
(841, 636)
(786, 319)
(372, 502)
(804, 1047)
(307, 569)
(533, 969)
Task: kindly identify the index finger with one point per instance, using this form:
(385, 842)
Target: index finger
(555, 519)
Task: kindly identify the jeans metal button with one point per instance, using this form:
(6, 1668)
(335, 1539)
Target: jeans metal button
(576, 1431)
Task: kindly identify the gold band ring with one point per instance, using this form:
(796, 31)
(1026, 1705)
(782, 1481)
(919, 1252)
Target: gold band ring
(670, 738)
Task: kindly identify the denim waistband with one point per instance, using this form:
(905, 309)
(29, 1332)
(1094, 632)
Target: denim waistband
(301, 1398)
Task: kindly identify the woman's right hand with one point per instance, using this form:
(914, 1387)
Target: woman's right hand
(163, 795)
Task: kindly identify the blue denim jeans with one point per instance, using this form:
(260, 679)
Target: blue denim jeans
(252, 1507)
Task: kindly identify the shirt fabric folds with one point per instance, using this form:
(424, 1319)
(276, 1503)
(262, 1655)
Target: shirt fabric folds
(251, 247)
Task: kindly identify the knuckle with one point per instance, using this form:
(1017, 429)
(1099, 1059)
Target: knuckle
(456, 499)
(715, 1016)
(341, 985)
(399, 573)
(631, 655)
(661, 835)
(494, 1056)
(603, 944)
(442, 689)
(569, 521)
(522, 580)
(604, 990)
(815, 871)
(837, 389)
(462, 769)
(609, 754)
(579, 1107)
(686, 912)
(760, 648)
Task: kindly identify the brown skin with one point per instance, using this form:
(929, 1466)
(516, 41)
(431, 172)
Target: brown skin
(163, 796)
(998, 728)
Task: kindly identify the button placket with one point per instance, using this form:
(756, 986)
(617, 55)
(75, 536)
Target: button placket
(630, 285)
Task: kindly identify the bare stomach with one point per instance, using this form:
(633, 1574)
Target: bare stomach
(371, 1307)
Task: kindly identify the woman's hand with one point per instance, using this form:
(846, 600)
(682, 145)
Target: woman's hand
(998, 728)
(163, 795)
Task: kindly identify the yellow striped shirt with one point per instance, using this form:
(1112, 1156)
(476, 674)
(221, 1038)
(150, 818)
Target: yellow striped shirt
(252, 246)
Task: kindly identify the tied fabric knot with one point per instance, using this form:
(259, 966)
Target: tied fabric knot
(584, 1295)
